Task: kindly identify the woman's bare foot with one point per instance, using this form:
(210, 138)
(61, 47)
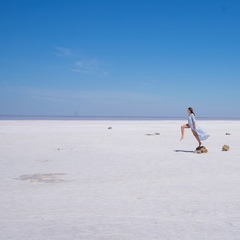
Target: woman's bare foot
(182, 137)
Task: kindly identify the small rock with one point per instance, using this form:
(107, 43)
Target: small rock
(201, 149)
(157, 133)
(228, 133)
(225, 148)
(109, 128)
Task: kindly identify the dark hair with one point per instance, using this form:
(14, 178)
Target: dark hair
(191, 110)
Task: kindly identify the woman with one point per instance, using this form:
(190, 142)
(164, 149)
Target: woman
(198, 132)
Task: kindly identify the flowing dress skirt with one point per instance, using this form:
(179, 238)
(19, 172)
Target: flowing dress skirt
(201, 133)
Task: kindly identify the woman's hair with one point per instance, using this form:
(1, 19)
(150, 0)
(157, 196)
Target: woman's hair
(191, 110)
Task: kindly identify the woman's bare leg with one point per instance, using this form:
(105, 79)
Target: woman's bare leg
(196, 136)
(182, 130)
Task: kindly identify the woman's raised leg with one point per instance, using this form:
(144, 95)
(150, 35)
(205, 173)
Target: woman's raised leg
(183, 130)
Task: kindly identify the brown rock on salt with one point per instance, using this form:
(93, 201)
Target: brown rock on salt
(201, 149)
(225, 148)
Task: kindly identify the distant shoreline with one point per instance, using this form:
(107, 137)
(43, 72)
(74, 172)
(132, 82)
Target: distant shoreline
(107, 118)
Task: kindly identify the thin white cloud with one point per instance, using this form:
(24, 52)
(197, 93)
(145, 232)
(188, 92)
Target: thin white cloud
(63, 52)
(82, 64)
(90, 66)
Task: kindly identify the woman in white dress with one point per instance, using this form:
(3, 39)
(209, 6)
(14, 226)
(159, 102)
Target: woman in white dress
(197, 131)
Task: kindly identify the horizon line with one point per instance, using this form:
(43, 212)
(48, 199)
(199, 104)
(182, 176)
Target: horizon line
(111, 116)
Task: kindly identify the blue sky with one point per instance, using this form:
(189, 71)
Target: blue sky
(120, 57)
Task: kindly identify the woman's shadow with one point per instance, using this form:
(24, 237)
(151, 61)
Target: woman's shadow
(184, 151)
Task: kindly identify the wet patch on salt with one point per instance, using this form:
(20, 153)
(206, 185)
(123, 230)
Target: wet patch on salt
(42, 177)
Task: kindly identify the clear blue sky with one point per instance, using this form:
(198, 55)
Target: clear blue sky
(120, 57)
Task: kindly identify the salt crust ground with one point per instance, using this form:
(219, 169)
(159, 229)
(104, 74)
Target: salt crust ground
(67, 180)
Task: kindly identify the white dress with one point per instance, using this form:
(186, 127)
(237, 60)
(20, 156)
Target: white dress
(200, 132)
